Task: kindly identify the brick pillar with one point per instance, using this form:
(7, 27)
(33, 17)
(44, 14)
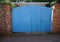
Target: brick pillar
(2, 19)
(5, 19)
(8, 18)
(56, 19)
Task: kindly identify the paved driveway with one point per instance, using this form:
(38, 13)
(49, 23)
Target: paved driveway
(31, 38)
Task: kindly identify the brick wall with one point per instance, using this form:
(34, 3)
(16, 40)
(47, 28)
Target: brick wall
(5, 18)
(56, 19)
(2, 19)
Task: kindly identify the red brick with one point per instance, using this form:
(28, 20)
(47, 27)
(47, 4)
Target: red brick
(5, 19)
(56, 19)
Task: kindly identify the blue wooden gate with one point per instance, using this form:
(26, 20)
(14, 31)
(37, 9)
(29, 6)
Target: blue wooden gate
(31, 18)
